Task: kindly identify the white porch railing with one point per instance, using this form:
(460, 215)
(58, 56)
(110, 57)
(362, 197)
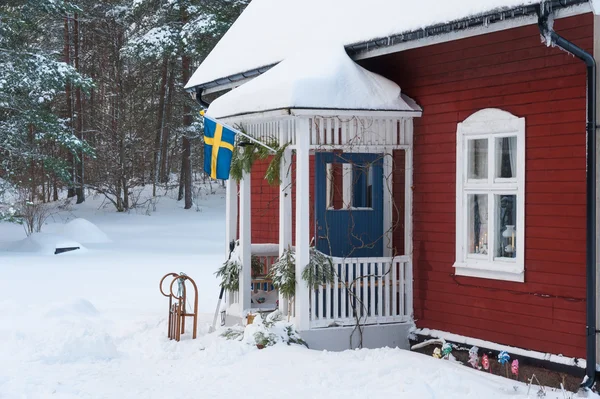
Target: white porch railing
(335, 132)
(374, 290)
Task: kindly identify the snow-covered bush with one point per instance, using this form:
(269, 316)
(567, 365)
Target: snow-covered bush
(266, 331)
(33, 215)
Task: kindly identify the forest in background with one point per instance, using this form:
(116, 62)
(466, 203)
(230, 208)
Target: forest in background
(92, 99)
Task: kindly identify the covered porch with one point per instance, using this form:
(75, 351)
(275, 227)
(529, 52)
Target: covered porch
(354, 143)
(371, 289)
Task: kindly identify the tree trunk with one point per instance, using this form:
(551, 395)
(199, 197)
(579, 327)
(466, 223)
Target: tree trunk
(54, 189)
(69, 100)
(164, 170)
(121, 180)
(181, 180)
(160, 123)
(186, 164)
(79, 127)
(32, 167)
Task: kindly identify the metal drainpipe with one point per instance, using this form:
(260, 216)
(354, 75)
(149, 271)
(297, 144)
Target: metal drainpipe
(556, 40)
(199, 98)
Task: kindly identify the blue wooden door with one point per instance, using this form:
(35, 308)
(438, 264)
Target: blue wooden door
(349, 204)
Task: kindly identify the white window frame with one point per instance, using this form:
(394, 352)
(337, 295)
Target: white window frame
(489, 124)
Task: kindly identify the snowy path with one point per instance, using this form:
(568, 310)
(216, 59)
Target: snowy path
(93, 325)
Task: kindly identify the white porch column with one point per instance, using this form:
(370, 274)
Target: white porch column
(597, 57)
(302, 221)
(408, 217)
(231, 201)
(245, 242)
(285, 210)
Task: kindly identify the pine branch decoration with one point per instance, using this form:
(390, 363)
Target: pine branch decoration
(283, 274)
(230, 275)
(243, 160)
(319, 270)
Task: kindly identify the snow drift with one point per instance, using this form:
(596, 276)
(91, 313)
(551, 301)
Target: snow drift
(85, 232)
(44, 243)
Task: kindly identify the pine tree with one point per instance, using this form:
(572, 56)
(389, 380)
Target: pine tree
(32, 80)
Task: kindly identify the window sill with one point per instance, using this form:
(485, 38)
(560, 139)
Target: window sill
(494, 271)
(352, 208)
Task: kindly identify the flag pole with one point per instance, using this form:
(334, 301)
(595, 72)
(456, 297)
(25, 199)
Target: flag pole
(239, 132)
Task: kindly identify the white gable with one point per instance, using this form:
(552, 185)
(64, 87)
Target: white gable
(323, 77)
(269, 31)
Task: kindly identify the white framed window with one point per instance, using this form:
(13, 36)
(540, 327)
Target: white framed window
(349, 186)
(490, 196)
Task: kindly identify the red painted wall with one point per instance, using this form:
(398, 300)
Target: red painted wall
(265, 203)
(513, 71)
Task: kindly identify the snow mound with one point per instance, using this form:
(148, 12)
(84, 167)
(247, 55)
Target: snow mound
(335, 82)
(44, 243)
(72, 342)
(80, 307)
(85, 344)
(85, 231)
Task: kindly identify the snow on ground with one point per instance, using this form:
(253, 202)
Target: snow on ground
(93, 325)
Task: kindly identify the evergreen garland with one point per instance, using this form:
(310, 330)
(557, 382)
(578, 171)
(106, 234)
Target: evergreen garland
(230, 272)
(319, 270)
(283, 274)
(230, 275)
(273, 170)
(256, 266)
(242, 161)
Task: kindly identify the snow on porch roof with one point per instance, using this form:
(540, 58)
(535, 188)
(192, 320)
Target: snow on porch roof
(268, 31)
(316, 78)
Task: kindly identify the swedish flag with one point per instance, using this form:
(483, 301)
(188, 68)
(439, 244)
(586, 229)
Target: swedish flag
(218, 148)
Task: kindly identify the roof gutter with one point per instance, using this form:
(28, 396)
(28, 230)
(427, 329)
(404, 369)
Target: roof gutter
(199, 99)
(461, 24)
(554, 39)
(434, 30)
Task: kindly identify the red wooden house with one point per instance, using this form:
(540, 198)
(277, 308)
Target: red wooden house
(441, 163)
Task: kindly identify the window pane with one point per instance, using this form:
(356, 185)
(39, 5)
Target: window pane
(478, 159)
(362, 186)
(335, 193)
(506, 157)
(506, 221)
(477, 224)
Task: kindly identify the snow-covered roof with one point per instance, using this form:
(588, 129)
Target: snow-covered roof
(323, 77)
(268, 31)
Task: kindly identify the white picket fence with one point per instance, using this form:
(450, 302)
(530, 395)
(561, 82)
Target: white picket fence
(370, 290)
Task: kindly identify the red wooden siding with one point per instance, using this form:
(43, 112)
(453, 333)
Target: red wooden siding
(265, 203)
(398, 192)
(513, 71)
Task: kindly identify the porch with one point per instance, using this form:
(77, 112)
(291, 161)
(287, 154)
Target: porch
(369, 290)
(347, 133)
